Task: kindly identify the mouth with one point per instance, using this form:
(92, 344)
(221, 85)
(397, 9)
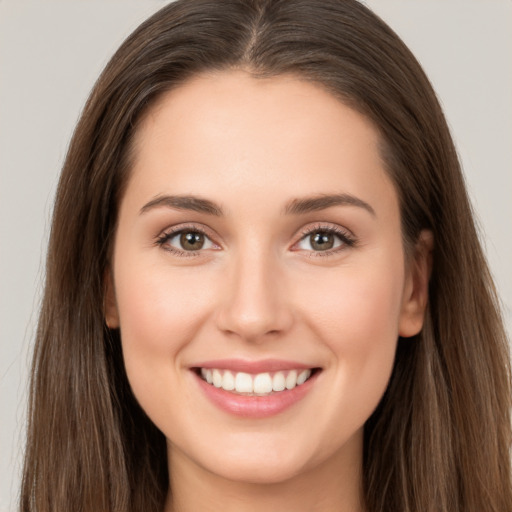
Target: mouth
(255, 389)
(256, 384)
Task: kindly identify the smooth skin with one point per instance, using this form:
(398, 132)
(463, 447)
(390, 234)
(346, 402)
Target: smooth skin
(253, 284)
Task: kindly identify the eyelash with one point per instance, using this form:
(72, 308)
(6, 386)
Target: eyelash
(162, 240)
(346, 238)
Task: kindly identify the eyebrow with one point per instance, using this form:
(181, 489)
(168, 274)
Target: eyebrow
(294, 207)
(190, 203)
(323, 201)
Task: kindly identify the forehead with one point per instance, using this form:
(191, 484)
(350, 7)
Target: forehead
(279, 137)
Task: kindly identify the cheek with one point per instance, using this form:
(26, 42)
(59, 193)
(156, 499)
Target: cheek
(357, 307)
(160, 312)
(357, 316)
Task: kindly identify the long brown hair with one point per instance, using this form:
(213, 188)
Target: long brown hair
(440, 438)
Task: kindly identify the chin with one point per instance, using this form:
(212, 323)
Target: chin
(259, 472)
(251, 459)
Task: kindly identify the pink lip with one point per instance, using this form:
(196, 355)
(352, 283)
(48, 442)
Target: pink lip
(247, 406)
(242, 365)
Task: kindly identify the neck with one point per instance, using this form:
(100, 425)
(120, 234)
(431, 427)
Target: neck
(334, 485)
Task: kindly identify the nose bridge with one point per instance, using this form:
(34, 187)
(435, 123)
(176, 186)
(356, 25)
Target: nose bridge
(255, 302)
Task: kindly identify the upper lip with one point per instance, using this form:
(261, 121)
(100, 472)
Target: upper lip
(248, 366)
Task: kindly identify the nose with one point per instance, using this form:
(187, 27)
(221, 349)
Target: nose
(254, 303)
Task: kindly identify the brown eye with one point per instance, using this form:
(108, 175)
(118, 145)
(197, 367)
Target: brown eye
(322, 240)
(192, 240)
(187, 240)
(325, 240)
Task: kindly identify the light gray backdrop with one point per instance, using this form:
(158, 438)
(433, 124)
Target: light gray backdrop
(52, 51)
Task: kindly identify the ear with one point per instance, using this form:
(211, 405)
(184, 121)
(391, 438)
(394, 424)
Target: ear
(110, 311)
(415, 296)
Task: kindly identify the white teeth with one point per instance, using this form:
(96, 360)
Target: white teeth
(278, 382)
(217, 378)
(263, 383)
(243, 383)
(303, 376)
(291, 379)
(207, 375)
(228, 381)
(260, 384)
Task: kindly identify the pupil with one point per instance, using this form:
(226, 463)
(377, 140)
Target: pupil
(322, 241)
(192, 241)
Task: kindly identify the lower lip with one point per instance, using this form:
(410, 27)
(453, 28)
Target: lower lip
(256, 406)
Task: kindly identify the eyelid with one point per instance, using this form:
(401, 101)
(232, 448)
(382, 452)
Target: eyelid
(345, 235)
(170, 232)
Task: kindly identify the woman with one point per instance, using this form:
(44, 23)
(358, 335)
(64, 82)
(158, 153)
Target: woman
(264, 285)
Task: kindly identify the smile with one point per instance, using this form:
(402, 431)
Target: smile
(260, 384)
(255, 389)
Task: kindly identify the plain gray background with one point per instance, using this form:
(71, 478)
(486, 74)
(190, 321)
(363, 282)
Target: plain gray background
(51, 52)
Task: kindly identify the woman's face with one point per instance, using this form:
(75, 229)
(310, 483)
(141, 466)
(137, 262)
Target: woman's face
(259, 245)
